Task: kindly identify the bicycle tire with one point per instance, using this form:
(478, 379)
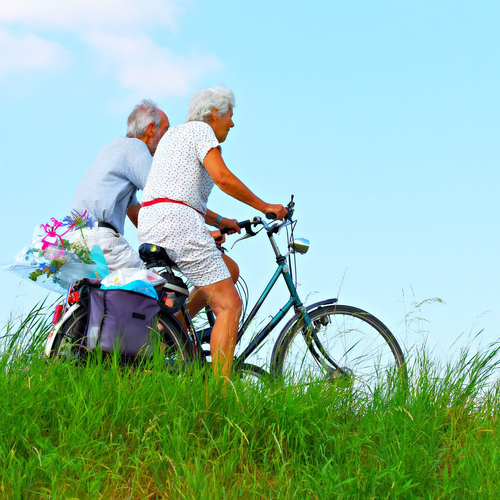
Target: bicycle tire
(179, 348)
(69, 341)
(346, 341)
(173, 341)
(251, 375)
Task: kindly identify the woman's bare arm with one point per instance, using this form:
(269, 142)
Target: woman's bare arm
(232, 186)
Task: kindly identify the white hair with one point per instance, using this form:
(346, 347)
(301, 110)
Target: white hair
(142, 115)
(205, 101)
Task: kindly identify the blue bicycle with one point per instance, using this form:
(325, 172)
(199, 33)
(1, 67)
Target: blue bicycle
(324, 340)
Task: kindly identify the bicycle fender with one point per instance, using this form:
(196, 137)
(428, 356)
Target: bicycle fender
(53, 333)
(316, 305)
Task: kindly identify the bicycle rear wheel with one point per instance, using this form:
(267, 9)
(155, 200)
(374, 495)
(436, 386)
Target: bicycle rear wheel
(176, 347)
(69, 342)
(344, 342)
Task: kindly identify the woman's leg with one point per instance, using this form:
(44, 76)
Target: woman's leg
(225, 302)
(196, 301)
(232, 266)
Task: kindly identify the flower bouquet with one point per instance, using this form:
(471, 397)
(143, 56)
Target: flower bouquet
(54, 262)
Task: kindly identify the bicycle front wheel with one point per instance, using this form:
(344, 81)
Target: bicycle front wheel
(343, 342)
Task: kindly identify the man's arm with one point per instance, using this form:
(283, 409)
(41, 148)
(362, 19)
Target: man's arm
(133, 213)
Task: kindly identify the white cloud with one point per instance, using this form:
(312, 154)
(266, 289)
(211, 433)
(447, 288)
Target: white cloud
(30, 52)
(149, 69)
(117, 33)
(81, 15)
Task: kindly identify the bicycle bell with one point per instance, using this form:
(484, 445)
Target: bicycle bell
(300, 245)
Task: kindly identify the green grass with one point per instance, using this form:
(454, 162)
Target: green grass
(104, 431)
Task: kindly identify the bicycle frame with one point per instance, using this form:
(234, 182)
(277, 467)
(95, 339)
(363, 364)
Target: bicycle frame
(294, 301)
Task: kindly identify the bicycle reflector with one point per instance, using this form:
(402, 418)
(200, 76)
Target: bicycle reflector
(173, 294)
(58, 312)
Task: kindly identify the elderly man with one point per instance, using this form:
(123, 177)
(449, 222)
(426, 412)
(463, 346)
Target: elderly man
(108, 188)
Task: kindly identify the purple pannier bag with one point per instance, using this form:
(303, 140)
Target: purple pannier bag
(121, 319)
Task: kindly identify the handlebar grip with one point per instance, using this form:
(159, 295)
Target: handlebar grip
(272, 215)
(242, 224)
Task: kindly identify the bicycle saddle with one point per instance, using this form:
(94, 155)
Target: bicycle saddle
(154, 256)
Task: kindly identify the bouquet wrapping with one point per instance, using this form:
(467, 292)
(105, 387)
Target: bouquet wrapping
(54, 262)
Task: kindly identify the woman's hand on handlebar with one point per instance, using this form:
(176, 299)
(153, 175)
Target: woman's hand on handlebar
(279, 211)
(230, 225)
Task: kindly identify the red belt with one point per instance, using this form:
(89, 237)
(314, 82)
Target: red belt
(168, 200)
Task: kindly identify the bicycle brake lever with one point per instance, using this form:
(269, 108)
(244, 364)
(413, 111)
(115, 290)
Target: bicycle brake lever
(247, 235)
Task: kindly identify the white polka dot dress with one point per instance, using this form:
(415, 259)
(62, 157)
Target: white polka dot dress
(178, 174)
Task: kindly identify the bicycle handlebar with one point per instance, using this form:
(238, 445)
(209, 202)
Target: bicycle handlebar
(247, 224)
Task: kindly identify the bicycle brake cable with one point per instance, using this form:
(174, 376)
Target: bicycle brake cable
(294, 260)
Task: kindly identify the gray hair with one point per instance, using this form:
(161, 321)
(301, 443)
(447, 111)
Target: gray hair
(142, 115)
(205, 101)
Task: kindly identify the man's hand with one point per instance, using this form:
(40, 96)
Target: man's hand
(219, 238)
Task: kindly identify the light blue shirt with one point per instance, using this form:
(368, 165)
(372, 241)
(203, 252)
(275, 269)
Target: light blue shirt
(109, 186)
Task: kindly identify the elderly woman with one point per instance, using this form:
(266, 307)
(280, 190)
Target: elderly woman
(186, 166)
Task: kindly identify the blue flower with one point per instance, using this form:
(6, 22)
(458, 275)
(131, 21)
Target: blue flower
(77, 220)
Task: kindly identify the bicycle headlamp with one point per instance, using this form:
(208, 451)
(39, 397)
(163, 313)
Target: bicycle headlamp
(300, 245)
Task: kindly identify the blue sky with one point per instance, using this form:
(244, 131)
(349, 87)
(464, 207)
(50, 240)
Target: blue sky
(380, 117)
